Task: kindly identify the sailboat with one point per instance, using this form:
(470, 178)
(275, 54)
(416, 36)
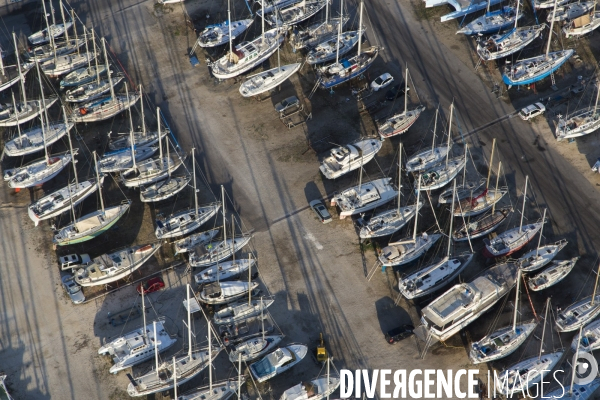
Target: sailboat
(523, 375)
(556, 272)
(581, 312)
(24, 111)
(462, 304)
(81, 76)
(212, 253)
(293, 14)
(312, 35)
(316, 389)
(540, 256)
(198, 239)
(61, 65)
(268, 80)
(223, 271)
(11, 74)
(491, 21)
(241, 309)
(188, 220)
(185, 367)
(513, 240)
(104, 108)
(343, 159)
(63, 199)
(278, 362)
(408, 249)
(138, 345)
(430, 157)
(225, 292)
(530, 70)
(34, 139)
(115, 265)
(153, 169)
(247, 55)
(93, 224)
(434, 276)
(583, 122)
(571, 11)
(502, 45)
(364, 197)
(504, 341)
(348, 68)
(582, 25)
(219, 34)
(440, 175)
(45, 52)
(401, 122)
(389, 221)
(588, 338)
(51, 31)
(482, 225)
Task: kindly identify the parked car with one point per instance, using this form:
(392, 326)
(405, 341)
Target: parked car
(532, 111)
(321, 211)
(151, 285)
(286, 104)
(73, 289)
(71, 261)
(382, 81)
(399, 333)
(395, 92)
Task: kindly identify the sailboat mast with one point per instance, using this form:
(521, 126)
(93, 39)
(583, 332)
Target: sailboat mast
(189, 322)
(62, 14)
(400, 176)
(537, 250)
(155, 346)
(43, 104)
(337, 50)
(360, 19)
(22, 77)
(597, 91)
(224, 216)
(451, 219)
(46, 18)
(326, 11)
(143, 118)
(551, 29)
(132, 142)
(17, 116)
(175, 376)
(414, 238)
(87, 50)
(159, 139)
(544, 329)
(524, 201)
(250, 279)
(75, 30)
(574, 366)
(70, 148)
(262, 317)
(497, 179)
(2, 64)
(210, 358)
(194, 173)
(517, 14)
(95, 57)
(449, 133)
(229, 25)
(437, 111)
(595, 285)
(488, 7)
(487, 183)
(406, 91)
(112, 90)
(100, 189)
(239, 381)
(517, 301)
(263, 23)
(143, 302)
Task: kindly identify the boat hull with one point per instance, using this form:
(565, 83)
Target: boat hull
(558, 59)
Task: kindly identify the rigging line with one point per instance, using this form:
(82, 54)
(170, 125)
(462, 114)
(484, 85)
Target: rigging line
(492, 327)
(432, 209)
(529, 297)
(413, 85)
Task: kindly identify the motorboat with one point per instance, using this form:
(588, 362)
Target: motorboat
(278, 361)
(364, 197)
(343, 159)
(223, 271)
(218, 34)
(225, 292)
(254, 348)
(241, 309)
(214, 252)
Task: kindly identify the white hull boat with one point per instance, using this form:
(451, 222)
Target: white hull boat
(465, 191)
(121, 160)
(90, 225)
(465, 302)
(43, 36)
(344, 159)
(557, 271)
(578, 392)
(92, 91)
(11, 75)
(387, 222)
(54, 68)
(317, 389)
(590, 338)
(531, 70)
(315, 34)
(278, 362)
(225, 292)
(189, 243)
(332, 75)
(273, 5)
(150, 171)
(81, 76)
(407, 250)
(247, 55)
(139, 138)
(571, 11)
(481, 226)
(184, 222)
(254, 348)
(545, 4)
(503, 45)
(332, 48)
(526, 373)
(32, 140)
(294, 14)
(439, 176)
(241, 310)
(60, 201)
(539, 257)
(214, 252)
(479, 204)
(400, 123)
(426, 159)
(137, 346)
(364, 197)
(578, 314)
(218, 34)
(24, 113)
(462, 8)
(582, 25)
(46, 52)
(37, 172)
(186, 367)
(223, 271)
(582, 123)
(501, 343)
(220, 391)
(116, 265)
(491, 22)
(268, 80)
(511, 241)
(102, 109)
(433, 277)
